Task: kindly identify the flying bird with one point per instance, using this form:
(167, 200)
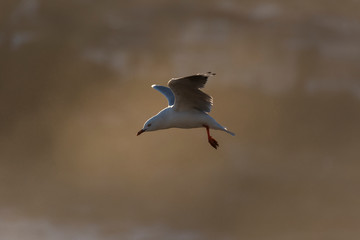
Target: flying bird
(188, 107)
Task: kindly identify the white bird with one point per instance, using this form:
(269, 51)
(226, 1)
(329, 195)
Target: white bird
(188, 107)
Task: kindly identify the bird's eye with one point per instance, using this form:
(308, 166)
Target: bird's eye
(149, 125)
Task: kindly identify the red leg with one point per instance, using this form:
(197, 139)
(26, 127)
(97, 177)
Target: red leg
(212, 141)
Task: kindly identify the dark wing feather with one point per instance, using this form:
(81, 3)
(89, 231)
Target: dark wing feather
(188, 95)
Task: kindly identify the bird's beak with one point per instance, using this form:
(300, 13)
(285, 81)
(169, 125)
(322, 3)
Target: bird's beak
(140, 132)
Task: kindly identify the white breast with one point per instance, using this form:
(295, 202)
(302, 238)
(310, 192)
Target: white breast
(193, 119)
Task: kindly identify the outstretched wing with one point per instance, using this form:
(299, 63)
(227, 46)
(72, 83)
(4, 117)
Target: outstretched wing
(166, 92)
(188, 95)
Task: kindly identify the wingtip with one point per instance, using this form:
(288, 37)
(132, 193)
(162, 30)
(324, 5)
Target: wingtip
(208, 74)
(154, 85)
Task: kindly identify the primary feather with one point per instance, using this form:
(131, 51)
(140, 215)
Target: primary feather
(188, 95)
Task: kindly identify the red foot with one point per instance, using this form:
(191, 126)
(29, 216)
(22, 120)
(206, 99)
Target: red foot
(213, 142)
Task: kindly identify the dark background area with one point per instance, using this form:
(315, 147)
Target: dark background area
(75, 81)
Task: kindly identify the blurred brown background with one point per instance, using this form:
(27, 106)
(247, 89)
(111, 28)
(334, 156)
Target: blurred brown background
(75, 81)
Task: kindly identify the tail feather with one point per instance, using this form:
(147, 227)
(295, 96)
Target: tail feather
(229, 132)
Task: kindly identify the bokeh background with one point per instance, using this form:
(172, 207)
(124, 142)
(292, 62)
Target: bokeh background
(75, 81)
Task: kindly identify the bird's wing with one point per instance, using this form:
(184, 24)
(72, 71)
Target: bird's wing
(166, 92)
(188, 95)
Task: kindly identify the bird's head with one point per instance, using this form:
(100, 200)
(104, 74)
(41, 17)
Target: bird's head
(150, 125)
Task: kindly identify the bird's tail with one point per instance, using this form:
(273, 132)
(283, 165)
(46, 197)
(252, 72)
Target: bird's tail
(229, 132)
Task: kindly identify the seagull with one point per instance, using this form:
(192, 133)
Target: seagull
(188, 107)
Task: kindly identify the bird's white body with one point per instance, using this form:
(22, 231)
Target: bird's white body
(169, 118)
